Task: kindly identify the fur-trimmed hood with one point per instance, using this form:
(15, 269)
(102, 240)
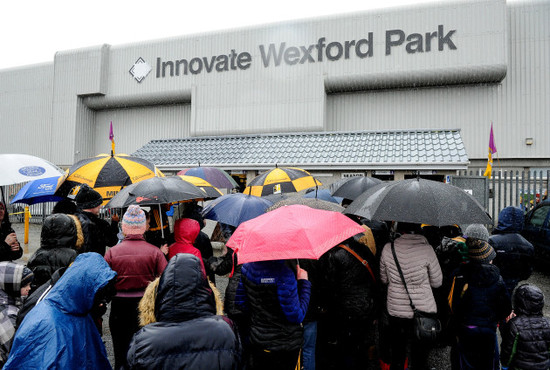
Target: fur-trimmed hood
(182, 293)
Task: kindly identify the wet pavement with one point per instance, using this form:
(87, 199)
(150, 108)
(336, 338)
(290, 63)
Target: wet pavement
(439, 357)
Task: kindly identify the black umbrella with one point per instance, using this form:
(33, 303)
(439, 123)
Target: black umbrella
(353, 187)
(156, 190)
(419, 201)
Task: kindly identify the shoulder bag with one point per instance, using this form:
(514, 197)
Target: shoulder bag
(426, 325)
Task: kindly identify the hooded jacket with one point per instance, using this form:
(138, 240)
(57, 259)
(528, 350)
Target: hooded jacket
(480, 297)
(59, 332)
(10, 293)
(182, 330)
(526, 337)
(514, 253)
(421, 271)
(59, 240)
(186, 231)
(275, 302)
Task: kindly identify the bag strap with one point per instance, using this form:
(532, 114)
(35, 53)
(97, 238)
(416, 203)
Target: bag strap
(401, 274)
(363, 261)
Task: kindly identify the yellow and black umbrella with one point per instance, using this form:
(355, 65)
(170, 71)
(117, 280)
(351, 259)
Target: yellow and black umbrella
(107, 174)
(208, 188)
(281, 180)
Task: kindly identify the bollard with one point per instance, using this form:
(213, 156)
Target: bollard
(27, 216)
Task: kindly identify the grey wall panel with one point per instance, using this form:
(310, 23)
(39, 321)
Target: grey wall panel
(135, 127)
(26, 110)
(518, 107)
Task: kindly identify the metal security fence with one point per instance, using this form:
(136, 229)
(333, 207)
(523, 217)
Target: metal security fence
(522, 189)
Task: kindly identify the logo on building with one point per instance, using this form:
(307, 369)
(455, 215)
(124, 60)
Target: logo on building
(140, 69)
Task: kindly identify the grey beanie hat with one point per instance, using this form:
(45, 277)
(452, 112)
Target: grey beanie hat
(477, 231)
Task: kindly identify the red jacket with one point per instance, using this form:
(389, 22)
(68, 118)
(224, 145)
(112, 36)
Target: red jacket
(186, 231)
(136, 263)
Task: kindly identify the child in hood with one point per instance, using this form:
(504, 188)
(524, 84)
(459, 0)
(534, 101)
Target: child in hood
(526, 337)
(186, 231)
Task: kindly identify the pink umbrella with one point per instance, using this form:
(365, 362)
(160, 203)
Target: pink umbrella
(290, 232)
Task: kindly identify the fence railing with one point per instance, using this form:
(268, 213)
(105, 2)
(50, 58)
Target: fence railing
(523, 189)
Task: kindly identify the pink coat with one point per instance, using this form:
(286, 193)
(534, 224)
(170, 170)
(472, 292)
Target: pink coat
(186, 231)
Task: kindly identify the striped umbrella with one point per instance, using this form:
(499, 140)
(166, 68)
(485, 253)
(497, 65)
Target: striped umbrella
(281, 180)
(107, 174)
(214, 175)
(210, 190)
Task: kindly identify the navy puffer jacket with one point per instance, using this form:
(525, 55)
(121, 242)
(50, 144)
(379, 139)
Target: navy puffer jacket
(187, 333)
(514, 253)
(276, 304)
(484, 301)
(526, 337)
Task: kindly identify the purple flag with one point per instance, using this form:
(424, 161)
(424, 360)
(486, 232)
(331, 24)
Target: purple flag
(492, 146)
(112, 136)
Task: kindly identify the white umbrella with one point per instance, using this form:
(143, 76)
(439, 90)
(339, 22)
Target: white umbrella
(18, 168)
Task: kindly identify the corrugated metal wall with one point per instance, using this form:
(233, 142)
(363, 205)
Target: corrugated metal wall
(135, 127)
(26, 110)
(518, 107)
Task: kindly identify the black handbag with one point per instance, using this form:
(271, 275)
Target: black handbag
(426, 326)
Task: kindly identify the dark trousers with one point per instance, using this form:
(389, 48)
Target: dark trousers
(476, 348)
(261, 359)
(400, 336)
(123, 322)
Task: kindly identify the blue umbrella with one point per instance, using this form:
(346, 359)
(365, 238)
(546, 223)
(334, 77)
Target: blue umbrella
(39, 191)
(233, 209)
(323, 194)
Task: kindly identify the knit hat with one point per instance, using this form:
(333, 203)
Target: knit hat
(88, 198)
(133, 221)
(480, 251)
(26, 277)
(477, 231)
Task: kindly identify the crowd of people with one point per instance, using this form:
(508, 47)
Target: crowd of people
(353, 308)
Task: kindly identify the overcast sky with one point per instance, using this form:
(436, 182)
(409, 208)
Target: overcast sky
(32, 31)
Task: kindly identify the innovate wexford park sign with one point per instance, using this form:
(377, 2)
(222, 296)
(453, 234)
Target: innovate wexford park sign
(274, 55)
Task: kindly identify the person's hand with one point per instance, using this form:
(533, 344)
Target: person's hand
(301, 274)
(11, 240)
(115, 217)
(511, 316)
(164, 249)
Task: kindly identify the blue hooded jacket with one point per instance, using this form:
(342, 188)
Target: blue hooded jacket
(59, 332)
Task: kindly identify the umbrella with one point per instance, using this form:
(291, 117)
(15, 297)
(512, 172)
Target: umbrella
(214, 175)
(353, 187)
(107, 174)
(281, 180)
(290, 232)
(310, 202)
(18, 168)
(234, 209)
(39, 191)
(323, 194)
(156, 190)
(419, 201)
(210, 190)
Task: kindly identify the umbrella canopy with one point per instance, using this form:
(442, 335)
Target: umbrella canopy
(290, 232)
(156, 190)
(310, 202)
(107, 174)
(214, 175)
(353, 187)
(39, 191)
(210, 190)
(234, 209)
(323, 194)
(18, 168)
(281, 180)
(419, 201)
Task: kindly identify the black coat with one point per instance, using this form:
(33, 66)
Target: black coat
(188, 334)
(98, 233)
(526, 337)
(484, 301)
(6, 254)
